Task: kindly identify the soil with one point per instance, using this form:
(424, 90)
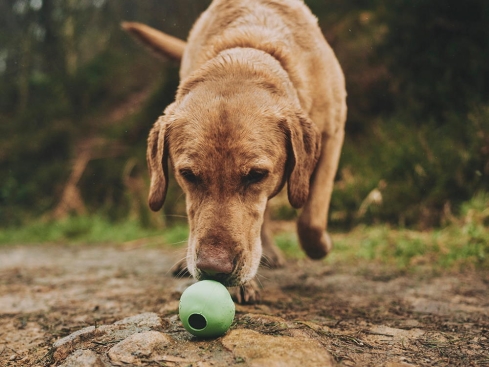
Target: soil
(361, 317)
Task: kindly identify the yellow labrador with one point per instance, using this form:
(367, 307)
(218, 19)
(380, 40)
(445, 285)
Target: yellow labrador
(261, 103)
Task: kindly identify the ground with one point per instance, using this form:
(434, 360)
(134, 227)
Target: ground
(311, 314)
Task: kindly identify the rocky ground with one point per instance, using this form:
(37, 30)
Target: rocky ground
(107, 306)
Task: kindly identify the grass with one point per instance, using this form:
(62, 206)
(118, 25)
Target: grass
(459, 246)
(463, 243)
(452, 247)
(89, 229)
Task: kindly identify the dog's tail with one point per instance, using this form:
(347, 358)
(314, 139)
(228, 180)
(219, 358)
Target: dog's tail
(162, 43)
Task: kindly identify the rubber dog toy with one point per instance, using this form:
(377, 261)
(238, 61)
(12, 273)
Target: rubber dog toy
(206, 309)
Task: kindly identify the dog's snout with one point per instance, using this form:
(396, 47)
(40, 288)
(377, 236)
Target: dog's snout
(214, 266)
(215, 261)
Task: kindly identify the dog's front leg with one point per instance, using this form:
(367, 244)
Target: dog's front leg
(246, 294)
(272, 256)
(313, 220)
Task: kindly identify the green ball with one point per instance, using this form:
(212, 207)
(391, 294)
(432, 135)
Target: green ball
(206, 309)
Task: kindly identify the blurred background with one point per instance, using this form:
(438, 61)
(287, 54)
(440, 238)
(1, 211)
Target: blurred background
(78, 97)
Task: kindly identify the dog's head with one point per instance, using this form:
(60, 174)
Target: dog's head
(232, 146)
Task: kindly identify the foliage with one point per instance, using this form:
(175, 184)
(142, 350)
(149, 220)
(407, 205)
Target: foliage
(425, 146)
(66, 70)
(437, 52)
(423, 173)
(417, 75)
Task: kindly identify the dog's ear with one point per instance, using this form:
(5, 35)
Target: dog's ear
(157, 159)
(303, 153)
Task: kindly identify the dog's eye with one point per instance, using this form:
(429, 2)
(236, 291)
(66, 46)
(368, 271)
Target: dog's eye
(189, 176)
(255, 176)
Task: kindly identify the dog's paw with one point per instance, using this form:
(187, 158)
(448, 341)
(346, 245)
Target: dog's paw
(272, 257)
(316, 242)
(246, 294)
(180, 269)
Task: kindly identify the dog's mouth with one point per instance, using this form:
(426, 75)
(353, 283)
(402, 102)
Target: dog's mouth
(231, 267)
(227, 280)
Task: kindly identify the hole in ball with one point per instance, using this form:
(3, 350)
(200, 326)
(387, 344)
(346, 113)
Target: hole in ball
(197, 321)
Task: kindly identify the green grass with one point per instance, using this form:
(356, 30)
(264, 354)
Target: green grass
(463, 243)
(90, 229)
(455, 247)
(287, 242)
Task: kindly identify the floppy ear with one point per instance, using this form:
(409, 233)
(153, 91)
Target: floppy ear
(304, 150)
(157, 159)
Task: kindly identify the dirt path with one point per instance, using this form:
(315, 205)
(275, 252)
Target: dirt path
(310, 311)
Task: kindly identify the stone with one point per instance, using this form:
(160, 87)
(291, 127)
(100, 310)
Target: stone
(144, 320)
(87, 331)
(66, 345)
(119, 330)
(397, 335)
(149, 345)
(443, 308)
(264, 320)
(83, 358)
(399, 364)
(258, 350)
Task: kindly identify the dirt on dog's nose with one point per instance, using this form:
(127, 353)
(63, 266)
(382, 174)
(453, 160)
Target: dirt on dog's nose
(214, 262)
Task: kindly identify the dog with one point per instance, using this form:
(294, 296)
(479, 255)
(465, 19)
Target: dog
(261, 104)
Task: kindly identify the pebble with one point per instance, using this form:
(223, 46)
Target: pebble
(147, 319)
(149, 345)
(267, 351)
(83, 358)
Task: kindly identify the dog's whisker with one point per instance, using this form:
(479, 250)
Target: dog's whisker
(181, 274)
(258, 275)
(177, 243)
(180, 196)
(176, 216)
(176, 251)
(178, 262)
(175, 266)
(265, 262)
(257, 278)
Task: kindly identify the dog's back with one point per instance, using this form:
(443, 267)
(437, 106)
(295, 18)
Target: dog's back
(285, 29)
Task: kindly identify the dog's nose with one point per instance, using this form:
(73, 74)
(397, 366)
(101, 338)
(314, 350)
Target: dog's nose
(215, 262)
(212, 267)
